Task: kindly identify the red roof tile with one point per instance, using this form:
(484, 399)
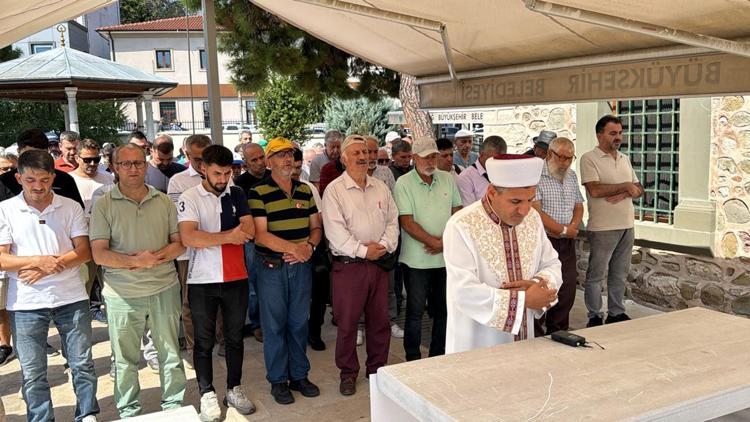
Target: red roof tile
(169, 24)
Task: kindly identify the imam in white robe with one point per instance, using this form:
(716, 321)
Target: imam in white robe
(478, 252)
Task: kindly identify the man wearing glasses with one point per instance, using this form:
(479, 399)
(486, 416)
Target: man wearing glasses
(287, 231)
(87, 176)
(560, 204)
(134, 236)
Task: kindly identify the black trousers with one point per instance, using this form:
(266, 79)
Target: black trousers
(557, 317)
(321, 290)
(423, 285)
(205, 300)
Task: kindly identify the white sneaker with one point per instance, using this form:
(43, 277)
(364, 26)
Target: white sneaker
(360, 337)
(89, 418)
(236, 398)
(396, 331)
(210, 410)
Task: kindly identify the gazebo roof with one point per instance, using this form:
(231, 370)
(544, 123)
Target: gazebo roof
(44, 77)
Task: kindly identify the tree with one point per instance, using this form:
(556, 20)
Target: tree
(260, 44)
(284, 111)
(360, 115)
(9, 53)
(98, 120)
(132, 11)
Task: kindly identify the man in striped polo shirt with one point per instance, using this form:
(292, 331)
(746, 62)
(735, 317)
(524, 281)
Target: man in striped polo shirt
(288, 228)
(215, 220)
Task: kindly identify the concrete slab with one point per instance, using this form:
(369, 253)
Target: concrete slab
(329, 406)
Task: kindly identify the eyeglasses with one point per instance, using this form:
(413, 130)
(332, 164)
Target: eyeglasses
(284, 154)
(563, 157)
(384, 160)
(139, 164)
(90, 160)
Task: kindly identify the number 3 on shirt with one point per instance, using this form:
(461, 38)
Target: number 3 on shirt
(182, 206)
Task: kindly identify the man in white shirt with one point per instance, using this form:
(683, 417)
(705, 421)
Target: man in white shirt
(89, 179)
(43, 242)
(87, 176)
(179, 183)
(215, 222)
(361, 225)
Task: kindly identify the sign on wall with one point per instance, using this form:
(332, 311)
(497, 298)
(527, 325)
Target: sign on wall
(670, 77)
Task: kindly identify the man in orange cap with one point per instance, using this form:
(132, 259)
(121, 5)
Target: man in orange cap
(288, 229)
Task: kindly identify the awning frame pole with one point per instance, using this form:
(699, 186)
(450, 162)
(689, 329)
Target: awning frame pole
(631, 25)
(401, 18)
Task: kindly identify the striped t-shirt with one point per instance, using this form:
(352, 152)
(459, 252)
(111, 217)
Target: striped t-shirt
(287, 216)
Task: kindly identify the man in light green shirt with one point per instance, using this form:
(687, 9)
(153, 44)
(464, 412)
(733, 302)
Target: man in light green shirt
(426, 198)
(134, 237)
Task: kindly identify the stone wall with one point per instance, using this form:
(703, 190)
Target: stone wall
(667, 281)
(518, 125)
(730, 183)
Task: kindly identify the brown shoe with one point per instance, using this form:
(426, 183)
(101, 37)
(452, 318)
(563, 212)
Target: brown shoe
(258, 334)
(348, 386)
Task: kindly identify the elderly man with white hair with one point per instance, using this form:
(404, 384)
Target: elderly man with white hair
(464, 156)
(560, 205)
(502, 269)
(426, 198)
(361, 221)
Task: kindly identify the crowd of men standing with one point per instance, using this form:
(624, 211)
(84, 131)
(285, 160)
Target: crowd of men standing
(195, 251)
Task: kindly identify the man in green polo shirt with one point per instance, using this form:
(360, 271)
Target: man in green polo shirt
(426, 198)
(134, 237)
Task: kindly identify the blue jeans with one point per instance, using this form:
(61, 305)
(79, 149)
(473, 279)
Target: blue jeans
(73, 322)
(284, 295)
(253, 307)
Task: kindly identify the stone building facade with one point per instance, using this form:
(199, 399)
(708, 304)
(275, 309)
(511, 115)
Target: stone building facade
(703, 259)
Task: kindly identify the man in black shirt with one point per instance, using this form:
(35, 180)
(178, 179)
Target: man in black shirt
(162, 156)
(63, 185)
(255, 160)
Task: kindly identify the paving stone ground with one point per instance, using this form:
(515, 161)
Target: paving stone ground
(329, 406)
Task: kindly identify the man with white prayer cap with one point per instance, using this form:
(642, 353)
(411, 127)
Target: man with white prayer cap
(502, 269)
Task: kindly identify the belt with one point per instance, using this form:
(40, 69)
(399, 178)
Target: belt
(350, 260)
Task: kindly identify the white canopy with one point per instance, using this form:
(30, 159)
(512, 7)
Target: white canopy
(21, 18)
(533, 51)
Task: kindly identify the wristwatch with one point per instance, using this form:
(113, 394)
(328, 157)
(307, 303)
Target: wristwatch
(311, 244)
(564, 232)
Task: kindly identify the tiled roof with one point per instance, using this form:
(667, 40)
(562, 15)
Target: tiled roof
(169, 24)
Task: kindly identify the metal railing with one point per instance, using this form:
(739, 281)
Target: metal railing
(199, 125)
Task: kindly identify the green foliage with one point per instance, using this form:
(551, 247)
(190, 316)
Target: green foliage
(98, 120)
(283, 111)
(20, 115)
(148, 10)
(360, 116)
(261, 45)
(9, 53)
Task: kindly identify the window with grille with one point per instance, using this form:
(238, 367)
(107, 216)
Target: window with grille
(167, 112)
(651, 137)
